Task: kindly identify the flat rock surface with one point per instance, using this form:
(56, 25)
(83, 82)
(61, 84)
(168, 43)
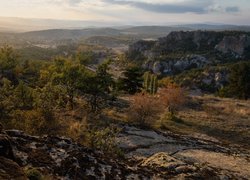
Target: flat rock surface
(179, 156)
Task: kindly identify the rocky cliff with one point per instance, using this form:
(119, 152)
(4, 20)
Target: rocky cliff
(181, 51)
(148, 155)
(209, 80)
(234, 44)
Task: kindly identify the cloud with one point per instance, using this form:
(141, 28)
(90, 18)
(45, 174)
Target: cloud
(178, 7)
(190, 6)
(220, 9)
(232, 9)
(74, 2)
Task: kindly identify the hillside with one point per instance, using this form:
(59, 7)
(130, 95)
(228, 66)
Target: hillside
(57, 34)
(51, 34)
(86, 111)
(184, 50)
(148, 154)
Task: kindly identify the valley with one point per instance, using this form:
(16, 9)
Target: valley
(143, 102)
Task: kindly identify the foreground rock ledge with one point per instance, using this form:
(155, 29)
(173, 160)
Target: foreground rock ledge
(148, 155)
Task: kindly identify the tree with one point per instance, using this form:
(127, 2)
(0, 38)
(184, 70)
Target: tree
(104, 77)
(8, 59)
(150, 82)
(48, 99)
(239, 80)
(6, 98)
(72, 77)
(132, 81)
(98, 86)
(85, 58)
(23, 96)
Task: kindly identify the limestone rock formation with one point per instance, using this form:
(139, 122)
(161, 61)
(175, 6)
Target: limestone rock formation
(148, 155)
(181, 50)
(173, 156)
(172, 66)
(234, 44)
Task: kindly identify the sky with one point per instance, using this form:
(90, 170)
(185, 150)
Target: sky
(133, 12)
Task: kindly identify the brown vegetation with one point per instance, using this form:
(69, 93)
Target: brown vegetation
(144, 109)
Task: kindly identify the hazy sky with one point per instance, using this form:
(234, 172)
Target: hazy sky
(132, 11)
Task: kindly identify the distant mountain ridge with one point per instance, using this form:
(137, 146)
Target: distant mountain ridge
(13, 24)
(144, 31)
(70, 33)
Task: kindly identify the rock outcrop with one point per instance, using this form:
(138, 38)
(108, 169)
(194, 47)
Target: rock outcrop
(59, 158)
(173, 66)
(173, 156)
(189, 41)
(181, 50)
(234, 44)
(208, 80)
(148, 155)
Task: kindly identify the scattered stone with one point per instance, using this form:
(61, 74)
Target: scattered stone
(161, 156)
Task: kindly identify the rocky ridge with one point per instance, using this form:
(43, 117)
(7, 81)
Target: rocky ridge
(148, 155)
(181, 50)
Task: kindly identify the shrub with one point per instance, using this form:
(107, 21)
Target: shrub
(33, 174)
(164, 82)
(173, 97)
(165, 119)
(33, 122)
(144, 109)
(104, 139)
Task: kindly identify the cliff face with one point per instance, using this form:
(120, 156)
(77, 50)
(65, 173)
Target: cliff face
(186, 50)
(189, 41)
(234, 44)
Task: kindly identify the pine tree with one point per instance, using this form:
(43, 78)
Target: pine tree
(132, 82)
(23, 96)
(239, 80)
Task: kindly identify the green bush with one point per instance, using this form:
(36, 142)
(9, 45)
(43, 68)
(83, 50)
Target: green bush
(104, 139)
(33, 174)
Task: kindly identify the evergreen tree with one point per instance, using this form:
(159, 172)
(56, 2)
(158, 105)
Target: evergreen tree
(8, 59)
(155, 84)
(150, 83)
(72, 77)
(6, 97)
(23, 96)
(239, 80)
(98, 86)
(146, 80)
(132, 81)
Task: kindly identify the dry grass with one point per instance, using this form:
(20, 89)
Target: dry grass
(227, 120)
